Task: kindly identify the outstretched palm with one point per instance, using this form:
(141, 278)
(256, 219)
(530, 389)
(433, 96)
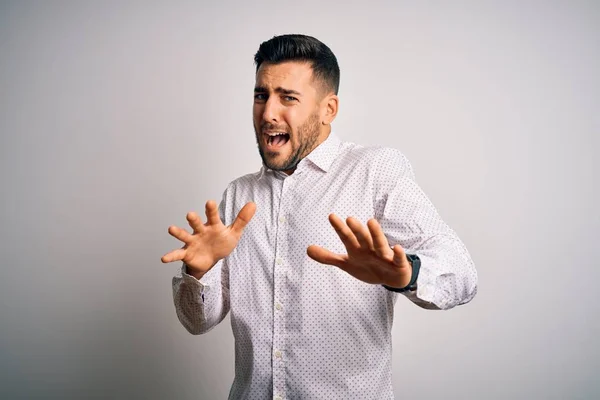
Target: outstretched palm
(209, 242)
(369, 257)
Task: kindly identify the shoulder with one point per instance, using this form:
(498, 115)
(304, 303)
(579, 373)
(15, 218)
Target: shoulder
(241, 188)
(384, 161)
(392, 162)
(237, 193)
(244, 181)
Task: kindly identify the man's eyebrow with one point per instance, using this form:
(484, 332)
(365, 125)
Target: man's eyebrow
(287, 91)
(262, 89)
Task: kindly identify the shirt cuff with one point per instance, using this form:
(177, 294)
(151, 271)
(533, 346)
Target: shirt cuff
(202, 285)
(426, 294)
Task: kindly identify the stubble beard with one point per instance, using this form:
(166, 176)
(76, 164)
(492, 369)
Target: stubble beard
(308, 135)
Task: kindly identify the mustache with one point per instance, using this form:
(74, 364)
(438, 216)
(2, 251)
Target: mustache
(267, 126)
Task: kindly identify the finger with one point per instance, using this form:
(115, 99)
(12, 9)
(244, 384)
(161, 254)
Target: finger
(180, 234)
(345, 233)
(361, 232)
(399, 256)
(212, 213)
(243, 217)
(195, 222)
(380, 243)
(324, 256)
(175, 255)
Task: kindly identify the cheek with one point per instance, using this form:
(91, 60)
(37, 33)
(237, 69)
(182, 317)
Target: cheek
(256, 113)
(293, 119)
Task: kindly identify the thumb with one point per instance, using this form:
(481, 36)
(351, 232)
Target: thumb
(323, 256)
(243, 217)
(399, 255)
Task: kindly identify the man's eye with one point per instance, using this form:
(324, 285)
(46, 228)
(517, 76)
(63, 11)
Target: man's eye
(260, 97)
(289, 98)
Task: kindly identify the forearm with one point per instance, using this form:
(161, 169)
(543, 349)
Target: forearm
(447, 276)
(200, 304)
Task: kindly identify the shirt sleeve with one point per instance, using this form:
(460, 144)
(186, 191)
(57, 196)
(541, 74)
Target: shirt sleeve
(447, 277)
(202, 304)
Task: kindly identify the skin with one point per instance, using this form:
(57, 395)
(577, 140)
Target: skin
(289, 99)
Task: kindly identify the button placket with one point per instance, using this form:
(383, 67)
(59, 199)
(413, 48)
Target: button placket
(280, 266)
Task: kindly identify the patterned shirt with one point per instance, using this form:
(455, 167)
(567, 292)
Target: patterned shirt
(305, 330)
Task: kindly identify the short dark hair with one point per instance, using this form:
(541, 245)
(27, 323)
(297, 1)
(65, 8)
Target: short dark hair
(302, 48)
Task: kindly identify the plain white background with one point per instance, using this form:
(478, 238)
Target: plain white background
(117, 118)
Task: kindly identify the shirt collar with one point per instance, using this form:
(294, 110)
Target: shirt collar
(322, 156)
(325, 153)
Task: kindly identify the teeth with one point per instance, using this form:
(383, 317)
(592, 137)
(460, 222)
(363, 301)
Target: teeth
(273, 135)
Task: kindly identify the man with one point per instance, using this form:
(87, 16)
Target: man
(311, 294)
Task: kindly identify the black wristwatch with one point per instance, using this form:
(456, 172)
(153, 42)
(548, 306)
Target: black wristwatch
(415, 262)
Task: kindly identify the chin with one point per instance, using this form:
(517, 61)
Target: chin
(276, 165)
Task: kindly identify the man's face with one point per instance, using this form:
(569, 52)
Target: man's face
(286, 102)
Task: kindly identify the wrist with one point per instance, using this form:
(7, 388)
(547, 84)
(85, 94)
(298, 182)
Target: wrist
(195, 273)
(415, 263)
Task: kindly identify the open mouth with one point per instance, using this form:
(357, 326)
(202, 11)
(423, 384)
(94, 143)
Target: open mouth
(276, 140)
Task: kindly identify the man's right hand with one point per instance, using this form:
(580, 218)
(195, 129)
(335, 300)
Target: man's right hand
(209, 242)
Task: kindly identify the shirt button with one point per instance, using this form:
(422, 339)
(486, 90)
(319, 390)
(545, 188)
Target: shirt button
(279, 307)
(279, 261)
(282, 219)
(278, 354)
(277, 398)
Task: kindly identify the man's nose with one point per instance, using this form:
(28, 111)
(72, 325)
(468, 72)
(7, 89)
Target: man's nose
(271, 111)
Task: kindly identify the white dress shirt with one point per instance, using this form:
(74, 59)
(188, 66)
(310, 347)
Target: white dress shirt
(304, 330)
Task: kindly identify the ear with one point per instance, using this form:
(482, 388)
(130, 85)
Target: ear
(329, 108)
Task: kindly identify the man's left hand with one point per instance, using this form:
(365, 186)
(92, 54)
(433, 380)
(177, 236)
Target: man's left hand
(369, 257)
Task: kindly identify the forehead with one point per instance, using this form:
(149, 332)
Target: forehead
(290, 75)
